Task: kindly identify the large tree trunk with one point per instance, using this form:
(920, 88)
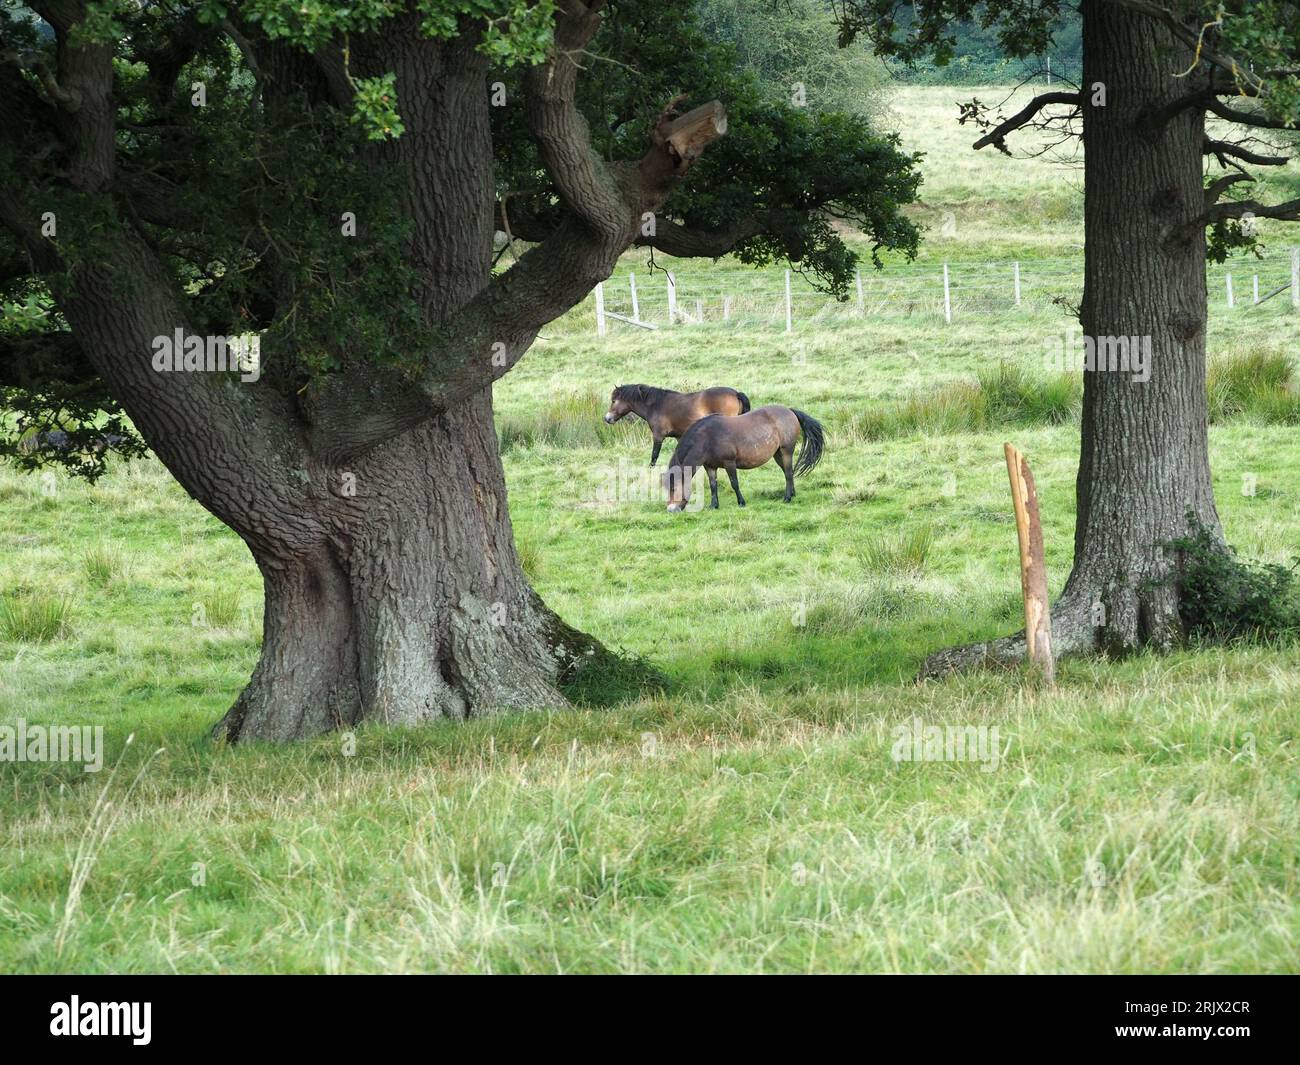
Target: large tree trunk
(417, 609)
(420, 612)
(1144, 463)
(1144, 459)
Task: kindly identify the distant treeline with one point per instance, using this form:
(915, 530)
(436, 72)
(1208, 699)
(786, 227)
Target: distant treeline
(980, 59)
(794, 41)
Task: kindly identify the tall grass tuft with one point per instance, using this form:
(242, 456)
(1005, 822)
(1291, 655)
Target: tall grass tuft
(1016, 397)
(104, 562)
(573, 419)
(221, 608)
(35, 616)
(900, 554)
(1008, 395)
(1260, 385)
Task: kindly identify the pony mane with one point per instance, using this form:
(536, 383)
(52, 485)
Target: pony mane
(642, 393)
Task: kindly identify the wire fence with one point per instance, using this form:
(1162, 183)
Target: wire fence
(945, 292)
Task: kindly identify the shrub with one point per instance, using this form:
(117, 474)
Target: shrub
(1226, 599)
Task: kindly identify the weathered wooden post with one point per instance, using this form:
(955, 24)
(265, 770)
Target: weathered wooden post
(1033, 566)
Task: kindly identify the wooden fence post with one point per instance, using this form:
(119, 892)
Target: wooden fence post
(636, 307)
(600, 308)
(672, 299)
(1033, 567)
(788, 321)
(947, 296)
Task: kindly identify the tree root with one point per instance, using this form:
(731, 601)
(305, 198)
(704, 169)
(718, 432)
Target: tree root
(1073, 633)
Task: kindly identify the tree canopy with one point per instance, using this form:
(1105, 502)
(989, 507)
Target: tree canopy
(244, 134)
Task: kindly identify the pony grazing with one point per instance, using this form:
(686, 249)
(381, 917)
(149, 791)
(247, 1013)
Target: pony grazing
(670, 413)
(743, 443)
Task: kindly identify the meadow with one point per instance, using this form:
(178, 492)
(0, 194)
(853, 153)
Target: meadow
(747, 816)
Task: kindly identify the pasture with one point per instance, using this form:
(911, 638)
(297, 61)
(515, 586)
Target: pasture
(748, 816)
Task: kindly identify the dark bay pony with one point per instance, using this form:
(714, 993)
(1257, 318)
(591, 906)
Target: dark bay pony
(743, 443)
(670, 413)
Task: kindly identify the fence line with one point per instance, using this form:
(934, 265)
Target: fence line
(1025, 282)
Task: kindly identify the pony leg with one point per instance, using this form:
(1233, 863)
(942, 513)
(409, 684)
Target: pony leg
(654, 455)
(785, 458)
(735, 483)
(713, 485)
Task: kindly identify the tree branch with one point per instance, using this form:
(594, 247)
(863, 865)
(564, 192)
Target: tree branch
(1221, 185)
(997, 136)
(1286, 212)
(1219, 149)
(585, 186)
(1246, 118)
(686, 242)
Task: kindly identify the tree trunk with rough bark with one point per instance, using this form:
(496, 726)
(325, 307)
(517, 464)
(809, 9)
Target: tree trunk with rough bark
(1144, 457)
(415, 607)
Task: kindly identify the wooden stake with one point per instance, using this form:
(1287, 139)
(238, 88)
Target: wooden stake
(600, 309)
(1033, 567)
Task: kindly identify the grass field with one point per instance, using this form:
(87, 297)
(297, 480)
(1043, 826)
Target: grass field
(1145, 816)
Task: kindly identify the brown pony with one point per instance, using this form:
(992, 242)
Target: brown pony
(742, 443)
(670, 413)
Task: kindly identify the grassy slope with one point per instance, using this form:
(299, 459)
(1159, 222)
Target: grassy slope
(1145, 819)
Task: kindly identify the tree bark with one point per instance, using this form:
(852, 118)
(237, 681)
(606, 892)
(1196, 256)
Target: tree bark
(415, 606)
(1144, 457)
(416, 610)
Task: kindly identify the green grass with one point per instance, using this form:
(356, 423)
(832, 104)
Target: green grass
(749, 816)
(29, 616)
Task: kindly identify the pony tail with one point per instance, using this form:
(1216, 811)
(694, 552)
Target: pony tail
(814, 439)
(744, 402)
